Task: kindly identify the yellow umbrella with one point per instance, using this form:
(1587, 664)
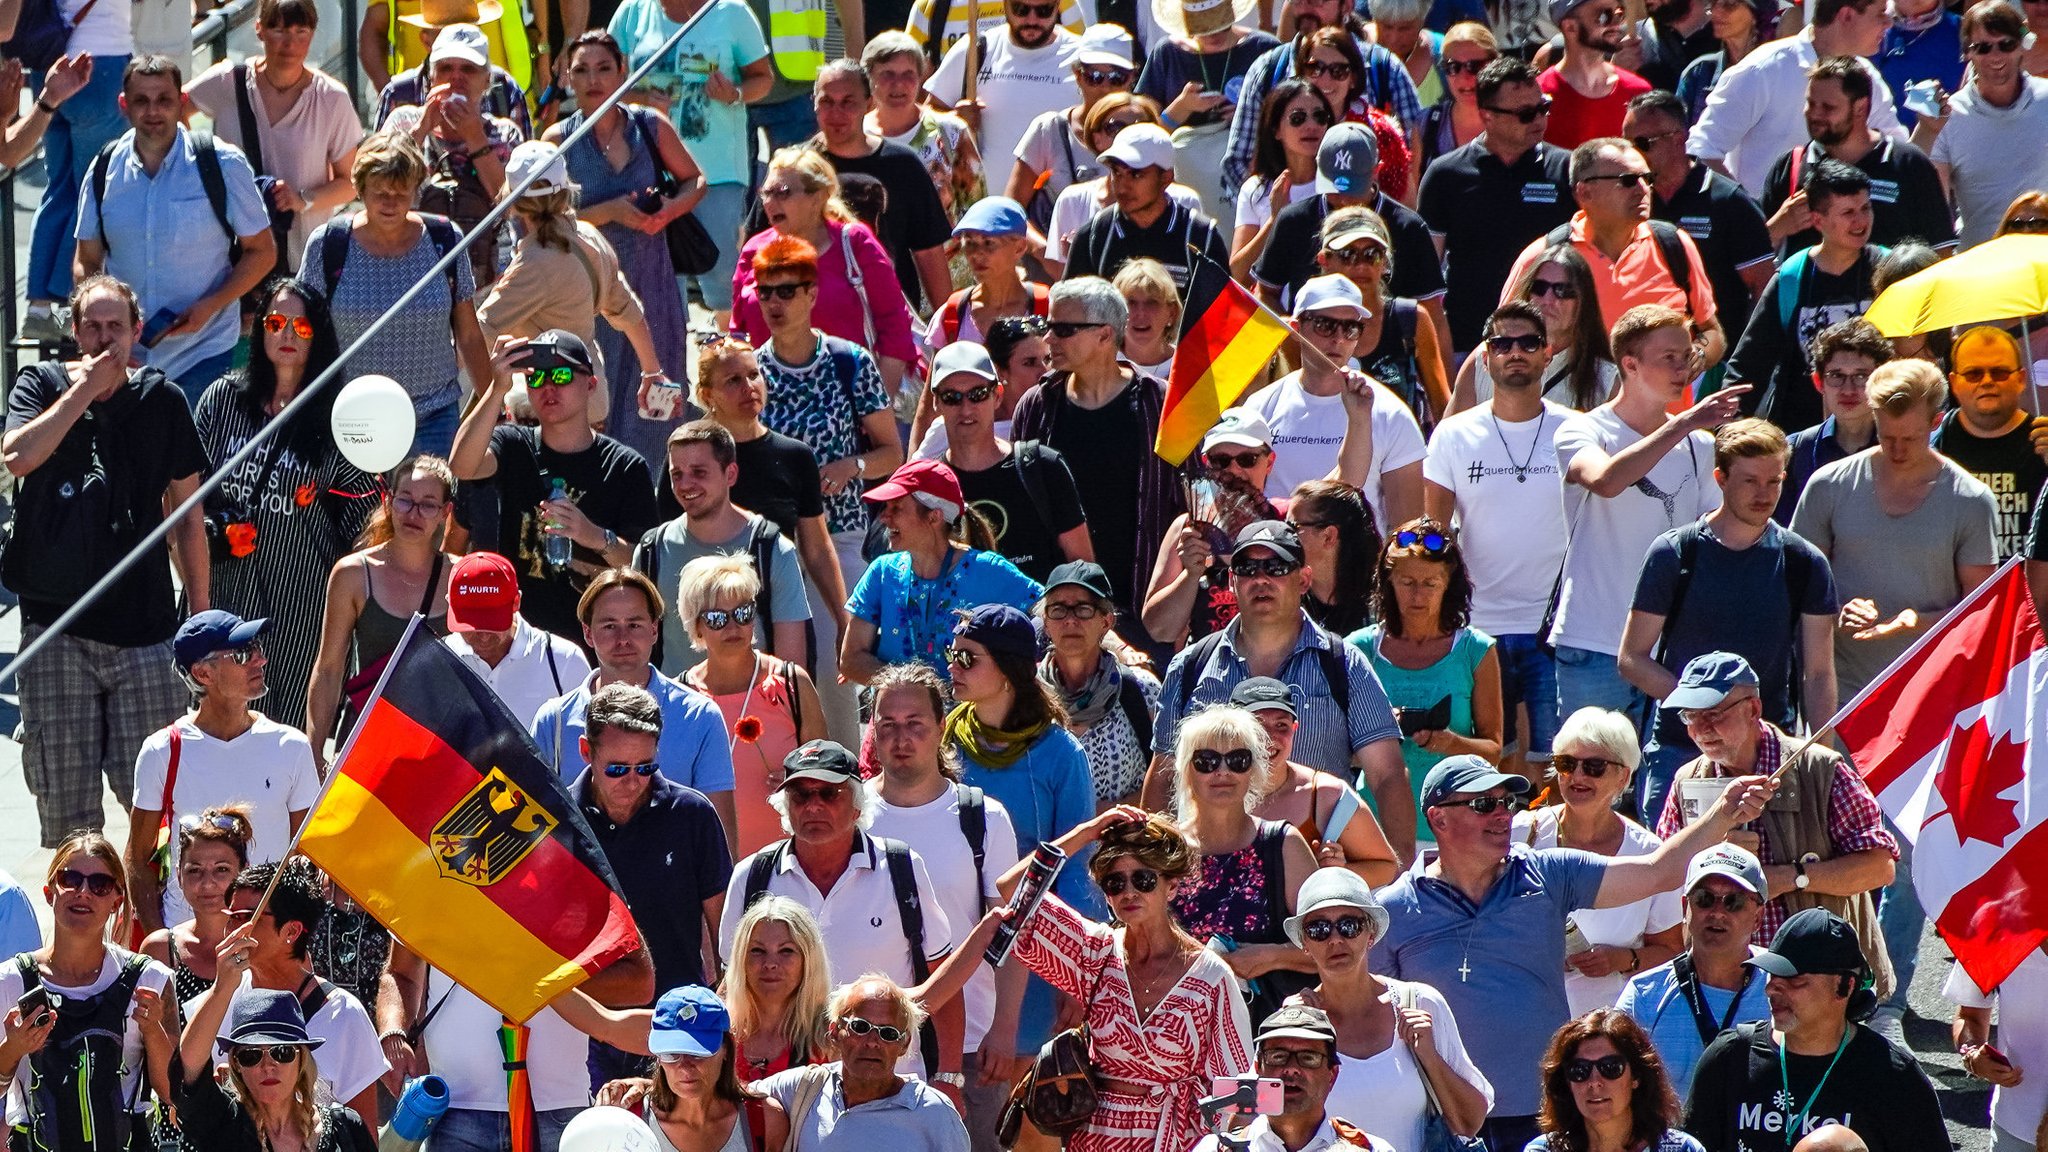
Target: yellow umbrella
(2000, 279)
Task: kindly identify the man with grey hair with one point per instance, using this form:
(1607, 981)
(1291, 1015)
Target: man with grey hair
(1103, 417)
(662, 839)
(863, 1102)
(914, 225)
(873, 898)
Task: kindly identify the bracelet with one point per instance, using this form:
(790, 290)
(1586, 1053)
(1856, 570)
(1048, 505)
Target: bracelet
(392, 1034)
(1635, 961)
(652, 376)
(49, 108)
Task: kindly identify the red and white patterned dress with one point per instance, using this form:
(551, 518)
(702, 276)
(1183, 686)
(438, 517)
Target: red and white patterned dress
(1200, 1030)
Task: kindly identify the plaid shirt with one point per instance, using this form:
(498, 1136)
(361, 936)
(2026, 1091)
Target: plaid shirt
(1388, 87)
(1855, 821)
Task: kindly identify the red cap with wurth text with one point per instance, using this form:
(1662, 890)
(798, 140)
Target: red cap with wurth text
(483, 593)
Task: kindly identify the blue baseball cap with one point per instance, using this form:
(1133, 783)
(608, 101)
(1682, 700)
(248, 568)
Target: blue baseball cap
(1710, 679)
(993, 216)
(213, 631)
(691, 1020)
(1000, 629)
(1466, 773)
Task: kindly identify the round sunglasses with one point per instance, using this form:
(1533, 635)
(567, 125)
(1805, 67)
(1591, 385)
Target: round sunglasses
(1142, 879)
(716, 619)
(1208, 760)
(1349, 927)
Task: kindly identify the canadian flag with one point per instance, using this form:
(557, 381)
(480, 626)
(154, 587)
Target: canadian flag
(1953, 740)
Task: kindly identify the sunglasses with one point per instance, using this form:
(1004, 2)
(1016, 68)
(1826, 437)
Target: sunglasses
(1625, 179)
(243, 655)
(1645, 143)
(782, 291)
(1705, 901)
(1527, 113)
(556, 377)
(1028, 11)
(1208, 761)
(1485, 805)
(1556, 289)
(1296, 117)
(1609, 17)
(1502, 345)
(1308, 1061)
(277, 322)
(1609, 1067)
(1099, 77)
(1349, 927)
(889, 1033)
(2002, 45)
(2033, 224)
(278, 1053)
(1272, 566)
(1995, 375)
(1142, 879)
(717, 618)
(1221, 460)
(1072, 611)
(782, 191)
(828, 793)
(1067, 329)
(1430, 540)
(950, 399)
(1335, 70)
(1465, 67)
(95, 883)
(962, 658)
(1591, 767)
(620, 771)
(1353, 257)
(1112, 127)
(674, 1058)
(1331, 326)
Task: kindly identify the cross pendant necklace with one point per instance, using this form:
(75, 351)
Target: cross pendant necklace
(1465, 968)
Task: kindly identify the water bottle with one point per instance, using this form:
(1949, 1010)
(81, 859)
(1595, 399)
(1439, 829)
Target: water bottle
(558, 548)
(419, 1108)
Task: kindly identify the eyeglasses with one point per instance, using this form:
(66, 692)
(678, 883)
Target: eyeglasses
(1272, 566)
(1027, 11)
(1209, 761)
(244, 655)
(1142, 879)
(1353, 257)
(406, 505)
(1625, 179)
(1705, 901)
(1308, 1060)
(620, 771)
(826, 793)
(983, 242)
(889, 1033)
(277, 322)
(1845, 379)
(1465, 67)
(1072, 611)
(2002, 45)
(2028, 224)
(1349, 927)
(1591, 767)
(1327, 326)
(1296, 117)
(1429, 538)
(94, 883)
(1558, 289)
(555, 377)
(1334, 69)
(1484, 805)
(1609, 1067)
(1247, 460)
(1526, 342)
(782, 291)
(1527, 113)
(961, 657)
(948, 398)
(674, 1058)
(1117, 77)
(1692, 717)
(1645, 143)
(1068, 329)
(717, 618)
(278, 1053)
(1995, 375)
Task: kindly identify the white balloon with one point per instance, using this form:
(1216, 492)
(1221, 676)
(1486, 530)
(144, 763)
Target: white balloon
(373, 422)
(607, 1129)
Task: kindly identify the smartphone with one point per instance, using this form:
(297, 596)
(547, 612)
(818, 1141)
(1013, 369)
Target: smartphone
(158, 324)
(1575, 940)
(1269, 1100)
(662, 402)
(34, 1003)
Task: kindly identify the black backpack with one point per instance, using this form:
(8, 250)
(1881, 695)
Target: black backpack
(42, 33)
(72, 517)
(210, 177)
(74, 1093)
(334, 250)
(1798, 578)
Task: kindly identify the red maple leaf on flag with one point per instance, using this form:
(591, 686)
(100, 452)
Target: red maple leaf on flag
(1979, 766)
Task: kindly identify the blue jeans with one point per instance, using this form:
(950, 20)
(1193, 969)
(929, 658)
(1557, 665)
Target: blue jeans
(791, 121)
(194, 381)
(721, 210)
(470, 1130)
(1528, 675)
(82, 126)
(1901, 919)
(434, 435)
(1587, 679)
(1661, 762)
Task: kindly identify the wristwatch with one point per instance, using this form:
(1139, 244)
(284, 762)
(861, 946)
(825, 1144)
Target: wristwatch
(956, 1079)
(1800, 879)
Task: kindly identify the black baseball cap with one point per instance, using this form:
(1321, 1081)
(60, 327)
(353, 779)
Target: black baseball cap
(1085, 574)
(1263, 694)
(1815, 940)
(1273, 534)
(557, 348)
(820, 760)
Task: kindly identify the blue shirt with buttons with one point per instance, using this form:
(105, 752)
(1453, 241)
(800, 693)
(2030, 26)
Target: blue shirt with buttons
(693, 748)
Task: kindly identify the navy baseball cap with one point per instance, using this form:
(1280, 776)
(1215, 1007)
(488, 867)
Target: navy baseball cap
(213, 631)
(1466, 773)
(820, 760)
(691, 1020)
(1000, 629)
(1709, 679)
(1815, 940)
(557, 347)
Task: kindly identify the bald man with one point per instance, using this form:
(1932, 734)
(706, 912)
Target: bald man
(1831, 1138)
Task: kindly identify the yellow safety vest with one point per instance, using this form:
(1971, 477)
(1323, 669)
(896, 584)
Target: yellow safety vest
(796, 38)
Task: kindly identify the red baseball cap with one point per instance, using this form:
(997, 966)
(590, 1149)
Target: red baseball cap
(930, 481)
(483, 593)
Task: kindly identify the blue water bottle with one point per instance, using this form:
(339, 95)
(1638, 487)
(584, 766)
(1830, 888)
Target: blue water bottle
(419, 1108)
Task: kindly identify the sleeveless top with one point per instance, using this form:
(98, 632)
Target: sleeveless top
(378, 632)
(741, 1139)
(1423, 688)
(187, 984)
(770, 702)
(1392, 360)
(1235, 894)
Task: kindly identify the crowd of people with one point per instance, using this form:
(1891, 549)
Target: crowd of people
(1437, 740)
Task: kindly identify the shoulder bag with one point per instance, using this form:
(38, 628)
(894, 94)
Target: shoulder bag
(1437, 1134)
(691, 250)
(1059, 1093)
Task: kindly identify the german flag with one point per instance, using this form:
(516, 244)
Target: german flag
(1223, 348)
(445, 824)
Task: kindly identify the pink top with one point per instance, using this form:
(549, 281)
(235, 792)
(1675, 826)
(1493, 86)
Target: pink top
(757, 763)
(838, 311)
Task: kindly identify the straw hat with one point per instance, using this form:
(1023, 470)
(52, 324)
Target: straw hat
(1192, 18)
(441, 13)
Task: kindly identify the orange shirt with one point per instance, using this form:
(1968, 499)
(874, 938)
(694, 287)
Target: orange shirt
(1638, 277)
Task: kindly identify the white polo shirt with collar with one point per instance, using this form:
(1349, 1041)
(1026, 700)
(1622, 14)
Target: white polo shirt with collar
(1259, 1137)
(539, 667)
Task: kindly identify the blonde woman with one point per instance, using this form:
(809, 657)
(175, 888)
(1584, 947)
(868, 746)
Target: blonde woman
(269, 1097)
(1154, 303)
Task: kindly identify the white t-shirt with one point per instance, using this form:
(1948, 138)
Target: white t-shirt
(525, 679)
(1308, 430)
(104, 31)
(1017, 86)
(934, 829)
(1510, 511)
(1622, 927)
(155, 978)
(1383, 1093)
(461, 1044)
(2022, 1008)
(1079, 203)
(1607, 538)
(349, 1058)
(1255, 200)
(269, 768)
(1993, 154)
(163, 27)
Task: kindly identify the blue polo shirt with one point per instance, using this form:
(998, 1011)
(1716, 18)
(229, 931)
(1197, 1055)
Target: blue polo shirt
(1496, 962)
(669, 857)
(693, 749)
(1653, 1000)
(916, 1119)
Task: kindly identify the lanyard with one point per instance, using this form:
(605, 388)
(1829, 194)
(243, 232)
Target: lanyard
(1797, 1120)
(1689, 985)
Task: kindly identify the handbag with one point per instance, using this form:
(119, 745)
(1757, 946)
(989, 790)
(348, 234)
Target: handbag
(1058, 1094)
(1437, 1134)
(691, 250)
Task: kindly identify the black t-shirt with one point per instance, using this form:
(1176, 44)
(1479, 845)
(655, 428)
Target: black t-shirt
(1027, 529)
(1876, 1089)
(146, 439)
(1773, 357)
(1110, 238)
(1096, 446)
(2007, 465)
(1729, 230)
(608, 482)
(1290, 256)
(1666, 51)
(1906, 200)
(1487, 212)
(778, 479)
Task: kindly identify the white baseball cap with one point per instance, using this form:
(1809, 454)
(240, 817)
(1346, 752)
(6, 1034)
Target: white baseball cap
(1142, 146)
(461, 42)
(1240, 426)
(1106, 45)
(963, 357)
(1330, 293)
(544, 160)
